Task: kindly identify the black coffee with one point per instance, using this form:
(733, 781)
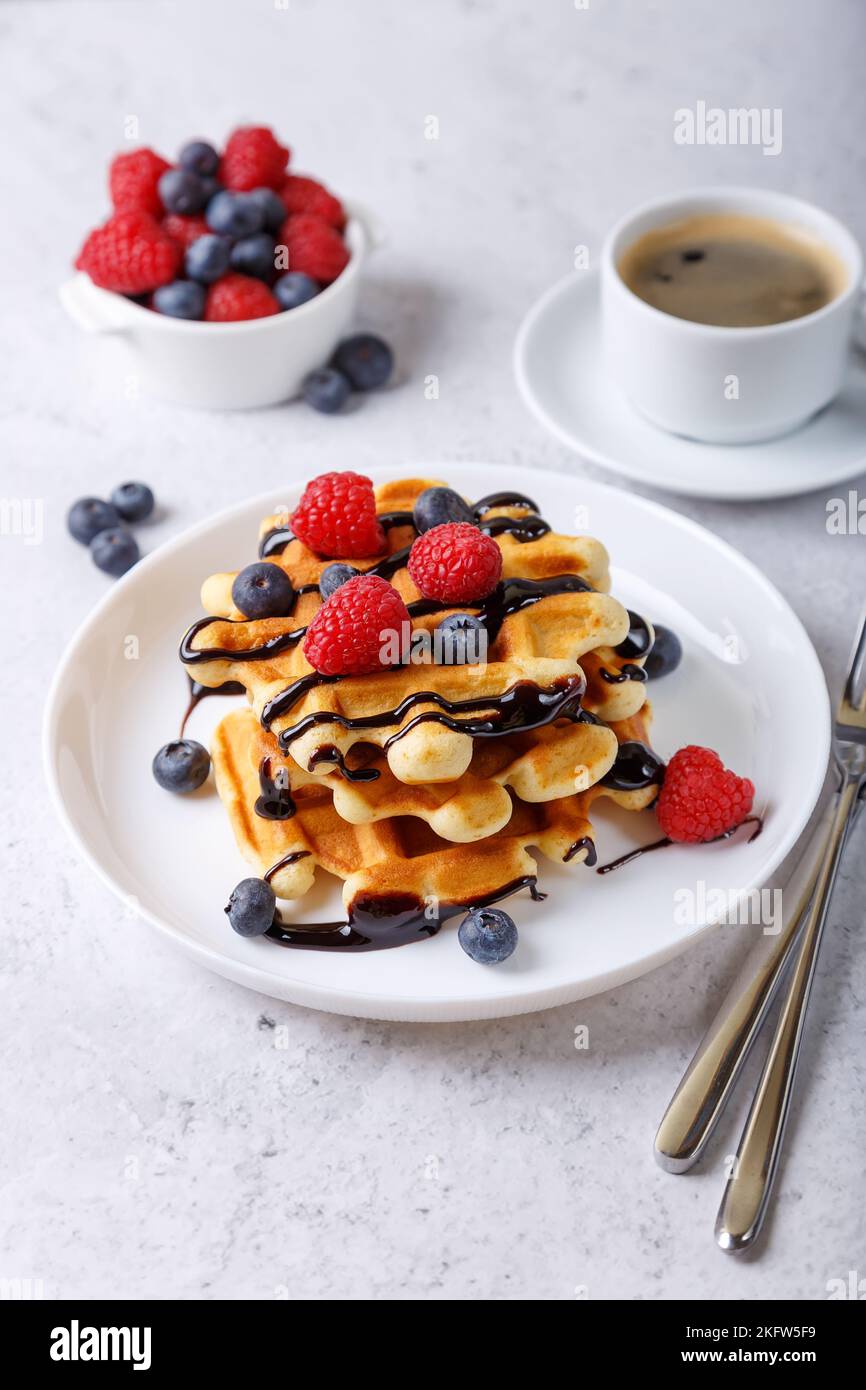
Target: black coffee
(732, 270)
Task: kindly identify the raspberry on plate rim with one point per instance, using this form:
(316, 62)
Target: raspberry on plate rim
(701, 799)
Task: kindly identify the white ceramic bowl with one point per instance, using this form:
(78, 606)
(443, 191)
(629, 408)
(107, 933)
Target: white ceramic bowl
(228, 366)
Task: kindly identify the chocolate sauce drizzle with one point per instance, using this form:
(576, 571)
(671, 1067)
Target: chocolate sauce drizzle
(639, 641)
(379, 922)
(628, 673)
(275, 801)
(660, 844)
(585, 842)
(291, 858)
(329, 754)
(524, 705)
(198, 692)
(634, 768)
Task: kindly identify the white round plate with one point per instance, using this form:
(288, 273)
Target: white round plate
(560, 372)
(174, 858)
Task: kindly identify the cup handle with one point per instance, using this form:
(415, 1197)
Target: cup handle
(93, 309)
(859, 331)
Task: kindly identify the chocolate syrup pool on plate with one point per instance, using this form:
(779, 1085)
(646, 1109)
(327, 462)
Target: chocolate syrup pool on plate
(380, 922)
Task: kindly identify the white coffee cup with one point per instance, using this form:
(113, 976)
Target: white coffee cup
(719, 384)
(229, 366)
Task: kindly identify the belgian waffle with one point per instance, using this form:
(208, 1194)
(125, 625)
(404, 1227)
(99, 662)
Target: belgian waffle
(400, 857)
(541, 765)
(557, 642)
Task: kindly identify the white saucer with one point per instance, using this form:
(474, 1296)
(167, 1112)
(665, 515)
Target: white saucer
(557, 360)
(172, 860)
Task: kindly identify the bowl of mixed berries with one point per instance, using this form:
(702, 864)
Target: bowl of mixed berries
(229, 277)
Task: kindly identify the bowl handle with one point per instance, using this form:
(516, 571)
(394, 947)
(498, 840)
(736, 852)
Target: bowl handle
(94, 310)
(373, 229)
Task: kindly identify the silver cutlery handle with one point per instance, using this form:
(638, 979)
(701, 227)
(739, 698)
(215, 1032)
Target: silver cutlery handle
(748, 1189)
(701, 1096)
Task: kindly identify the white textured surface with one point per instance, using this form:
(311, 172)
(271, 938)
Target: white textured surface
(167, 1134)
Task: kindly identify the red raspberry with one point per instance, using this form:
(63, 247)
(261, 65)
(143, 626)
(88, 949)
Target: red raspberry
(238, 297)
(301, 194)
(336, 517)
(253, 158)
(455, 562)
(133, 179)
(314, 247)
(184, 230)
(130, 254)
(700, 800)
(348, 635)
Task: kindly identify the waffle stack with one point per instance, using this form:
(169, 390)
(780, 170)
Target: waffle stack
(428, 783)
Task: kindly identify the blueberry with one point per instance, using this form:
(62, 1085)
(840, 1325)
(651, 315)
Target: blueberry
(295, 288)
(462, 639)
(487, 935)
(437, 505)
(263, 590)
(90, 515)
(251, 907)
(234, 214)
(181, 191)
(210, 187)
(207, 258)
(134, 501)
(365, 359)
(272, 208)
(326, 390)
(182, 299)
(181, 766)
(115, 551)
(665, 654)
(199, 157)
(254, 255)
(333, 576)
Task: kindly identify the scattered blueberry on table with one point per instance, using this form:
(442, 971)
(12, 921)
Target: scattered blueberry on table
(90, 515)
(326, 390)
(100, 525)
(360, 363)
(115, 551)
(134, 501)
(366, 360)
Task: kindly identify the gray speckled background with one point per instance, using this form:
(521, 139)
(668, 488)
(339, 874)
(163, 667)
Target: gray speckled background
(166, 1133)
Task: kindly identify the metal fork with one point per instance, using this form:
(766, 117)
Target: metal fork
(747, 1192)
(702, 1094)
